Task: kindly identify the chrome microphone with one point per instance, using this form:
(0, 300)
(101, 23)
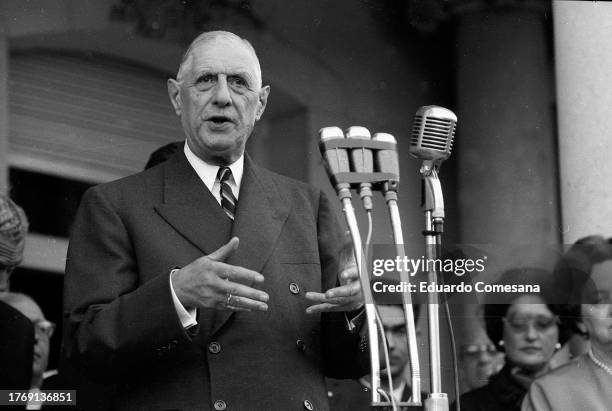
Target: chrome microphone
(432, 135)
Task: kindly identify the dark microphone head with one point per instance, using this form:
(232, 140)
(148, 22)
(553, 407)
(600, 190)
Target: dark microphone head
(386, 160)
(362, 160)
(336, 160)
(433, 133)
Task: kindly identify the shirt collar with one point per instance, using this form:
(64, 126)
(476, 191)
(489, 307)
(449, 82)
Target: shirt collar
(208, 172)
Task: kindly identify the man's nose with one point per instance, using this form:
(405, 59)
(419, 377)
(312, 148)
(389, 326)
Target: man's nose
(391, 343)
(222, 97)
(531, 333)
(485, 357)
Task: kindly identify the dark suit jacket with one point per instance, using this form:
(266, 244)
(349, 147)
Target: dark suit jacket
(503, 392)
(121, 325)
(16, 349)
(352, 395)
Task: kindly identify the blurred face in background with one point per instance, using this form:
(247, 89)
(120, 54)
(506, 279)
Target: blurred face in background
(530, 333)
(395, 330)
(43, 330)
(597, 317)
(479, 361)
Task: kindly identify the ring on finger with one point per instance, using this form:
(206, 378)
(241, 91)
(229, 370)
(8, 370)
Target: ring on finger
(228, 301)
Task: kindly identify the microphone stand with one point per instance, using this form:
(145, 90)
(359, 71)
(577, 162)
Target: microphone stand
(343, 180)
(396, 225)
(433, 206)
(344, 194)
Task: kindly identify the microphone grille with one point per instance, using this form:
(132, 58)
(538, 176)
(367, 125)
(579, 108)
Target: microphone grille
(434, 129)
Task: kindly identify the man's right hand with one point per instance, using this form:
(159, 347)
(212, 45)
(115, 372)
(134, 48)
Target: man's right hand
(209, 282)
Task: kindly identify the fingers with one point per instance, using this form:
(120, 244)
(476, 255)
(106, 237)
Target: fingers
(322, 298)
(240, 296)
(346, 303)
(330, 307)
(348, 290)
(322, 308)
(236, 273)
(349, 274)
(225, 251)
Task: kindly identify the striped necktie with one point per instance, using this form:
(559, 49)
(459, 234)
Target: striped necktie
(228, 201)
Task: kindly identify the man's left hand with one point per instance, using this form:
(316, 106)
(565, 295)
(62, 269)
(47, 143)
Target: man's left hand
(346, 297)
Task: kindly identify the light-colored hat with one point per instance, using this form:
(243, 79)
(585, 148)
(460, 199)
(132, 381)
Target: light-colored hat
(13, 230)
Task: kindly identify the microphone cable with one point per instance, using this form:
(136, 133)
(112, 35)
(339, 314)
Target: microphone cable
(451, 333)
(389, 397)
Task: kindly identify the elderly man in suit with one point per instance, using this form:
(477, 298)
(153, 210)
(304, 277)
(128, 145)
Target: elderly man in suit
(208, 282)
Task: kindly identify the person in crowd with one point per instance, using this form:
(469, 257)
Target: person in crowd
(13, 230)
(209, 282)
(479, 359)
(355, 395)
(43, 331)
(583, 278)
(16, 333)
(16, 348)
(528, 329)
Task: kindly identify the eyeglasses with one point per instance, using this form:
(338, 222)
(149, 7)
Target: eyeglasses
(44, 327)
(475, 350)
(540, 323)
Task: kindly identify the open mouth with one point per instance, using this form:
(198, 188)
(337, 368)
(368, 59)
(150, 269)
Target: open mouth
(219, 119)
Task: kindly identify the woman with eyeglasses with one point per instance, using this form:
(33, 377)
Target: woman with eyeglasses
(583, 278)
(527, 328)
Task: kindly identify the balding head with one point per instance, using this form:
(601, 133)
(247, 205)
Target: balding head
(218, 96)
(24, 303)
(217, 37)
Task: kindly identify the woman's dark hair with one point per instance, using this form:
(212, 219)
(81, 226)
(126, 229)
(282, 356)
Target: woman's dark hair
(572, 276)
(497, 305)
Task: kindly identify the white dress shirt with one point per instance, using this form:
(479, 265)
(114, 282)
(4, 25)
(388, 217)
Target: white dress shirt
(208, 175)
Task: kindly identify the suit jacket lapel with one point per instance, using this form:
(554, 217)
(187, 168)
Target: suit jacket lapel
(260, 215)
(191, 209)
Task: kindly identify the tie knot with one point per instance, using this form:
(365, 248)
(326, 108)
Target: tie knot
(224, 174)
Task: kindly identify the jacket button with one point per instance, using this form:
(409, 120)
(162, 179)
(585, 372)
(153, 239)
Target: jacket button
(214, 347)
(308, 405)
(294, 288)
(301, 345)
(220, 405)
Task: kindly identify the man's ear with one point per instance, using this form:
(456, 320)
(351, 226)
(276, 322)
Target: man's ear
(263, 100)
(174, 92)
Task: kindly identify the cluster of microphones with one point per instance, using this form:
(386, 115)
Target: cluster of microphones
(358, 160)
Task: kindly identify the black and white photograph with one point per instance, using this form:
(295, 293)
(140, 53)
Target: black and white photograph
(331, 205)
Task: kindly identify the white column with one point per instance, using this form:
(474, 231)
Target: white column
(583, 54)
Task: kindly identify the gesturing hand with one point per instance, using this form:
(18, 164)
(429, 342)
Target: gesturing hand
(346, 297)
(209, 282)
